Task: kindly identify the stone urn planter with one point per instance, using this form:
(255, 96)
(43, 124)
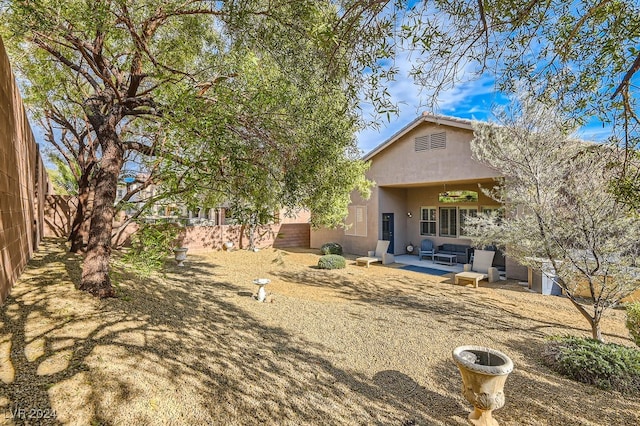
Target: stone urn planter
(484, 372)
(180, 254)
(228, 245)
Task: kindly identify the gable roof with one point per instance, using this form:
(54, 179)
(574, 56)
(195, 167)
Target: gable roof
(444, 120)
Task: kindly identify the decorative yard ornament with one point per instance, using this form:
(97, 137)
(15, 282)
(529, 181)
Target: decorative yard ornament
(180, 254)
(484, 372)
(262, 292)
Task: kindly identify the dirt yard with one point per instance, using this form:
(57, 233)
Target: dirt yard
(191, 346)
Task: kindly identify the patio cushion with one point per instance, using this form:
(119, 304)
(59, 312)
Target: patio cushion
(460, 250)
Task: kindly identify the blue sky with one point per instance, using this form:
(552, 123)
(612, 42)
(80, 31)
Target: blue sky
(471, 100)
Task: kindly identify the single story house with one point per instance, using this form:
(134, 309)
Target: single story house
(426, 185)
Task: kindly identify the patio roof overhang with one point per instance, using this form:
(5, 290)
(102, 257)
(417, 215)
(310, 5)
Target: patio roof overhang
(451, 183)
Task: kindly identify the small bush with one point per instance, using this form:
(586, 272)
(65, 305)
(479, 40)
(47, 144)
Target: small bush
(605, 365)
(633, 321)
(331, 248)
(332, 261)
(151, 245)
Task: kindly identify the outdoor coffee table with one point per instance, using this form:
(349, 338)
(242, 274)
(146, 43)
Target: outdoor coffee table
(445, 259)
(474, 277)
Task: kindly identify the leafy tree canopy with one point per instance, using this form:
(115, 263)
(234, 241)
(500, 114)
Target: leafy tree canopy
(259, 137)
(62, 177)
(221, 100)
(582, 54)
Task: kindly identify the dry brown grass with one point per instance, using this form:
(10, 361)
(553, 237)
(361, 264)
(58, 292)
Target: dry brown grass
(352, 346)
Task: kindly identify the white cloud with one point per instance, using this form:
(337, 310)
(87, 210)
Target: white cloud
(472, 100)
(594, 132)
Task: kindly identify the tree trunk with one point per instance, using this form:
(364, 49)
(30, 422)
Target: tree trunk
(252, 230)
(596, 332)
(241, 236)
(594, 321)
(95, 270)
(81, 221)
(595, 325)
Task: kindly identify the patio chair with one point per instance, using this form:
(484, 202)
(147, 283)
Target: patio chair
(480, 269)
(380, 255)
(426, 249)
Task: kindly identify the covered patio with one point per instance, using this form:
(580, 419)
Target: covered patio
(411, 260)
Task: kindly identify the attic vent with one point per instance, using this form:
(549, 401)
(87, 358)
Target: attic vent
(434, 141)
(422, 143)
(439, 140)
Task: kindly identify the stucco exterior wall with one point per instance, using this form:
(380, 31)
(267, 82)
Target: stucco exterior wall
(406, 180)
(401, 164)
(23, 183)
(327, 235)
(298, 216)
(351, 243)
(516, 271)
(394, 200)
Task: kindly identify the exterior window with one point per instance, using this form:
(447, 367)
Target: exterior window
(427, 221)
(357, 221)
(464, 214)
(448, 221)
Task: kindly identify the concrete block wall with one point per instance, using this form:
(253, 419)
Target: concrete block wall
(281, 235)
(59, 211)
(206, 238)
(293, 235)
(23, 182)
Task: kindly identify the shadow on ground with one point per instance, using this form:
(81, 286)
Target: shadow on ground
(179, 348)
(170, 353)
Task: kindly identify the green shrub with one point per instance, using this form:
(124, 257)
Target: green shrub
(605, 365)
(633, 321)
(331, 248)
(332, 261)
(151, 245)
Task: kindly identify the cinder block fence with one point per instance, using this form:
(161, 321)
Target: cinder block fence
(23, 183)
